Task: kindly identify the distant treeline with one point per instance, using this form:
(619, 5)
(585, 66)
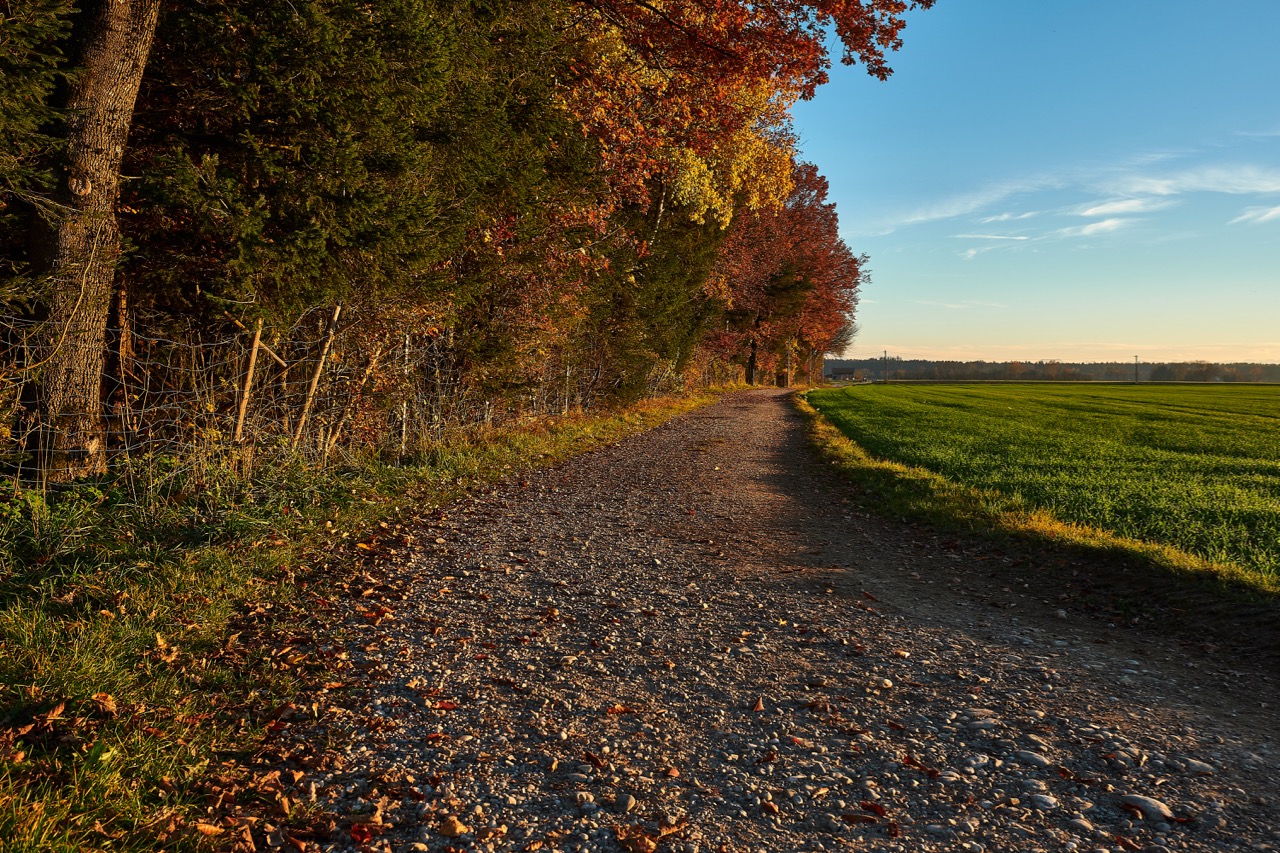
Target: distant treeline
(1053, 371)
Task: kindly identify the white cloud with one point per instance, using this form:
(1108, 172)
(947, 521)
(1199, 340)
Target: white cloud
(1127, 205)
(967, 203)
(1257, 215)
(1008, 217)
(1140, 184)
(1106, 226)
(1232, 180)
(989, 237)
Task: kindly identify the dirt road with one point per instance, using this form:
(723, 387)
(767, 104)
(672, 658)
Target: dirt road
(689, 641)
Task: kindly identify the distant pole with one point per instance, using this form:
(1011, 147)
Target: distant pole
(1135, 370)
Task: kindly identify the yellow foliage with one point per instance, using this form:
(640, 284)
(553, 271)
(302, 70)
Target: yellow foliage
(752, 166)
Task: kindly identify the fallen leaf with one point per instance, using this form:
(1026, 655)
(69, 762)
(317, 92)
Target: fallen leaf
(451, 827)
(634, 839)
(873, 807)
(105, 704)
(858, 818)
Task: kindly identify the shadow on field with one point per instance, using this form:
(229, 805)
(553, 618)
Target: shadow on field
(1227, 621)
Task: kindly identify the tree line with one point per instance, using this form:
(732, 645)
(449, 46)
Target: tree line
(592, 192)
(875, 369)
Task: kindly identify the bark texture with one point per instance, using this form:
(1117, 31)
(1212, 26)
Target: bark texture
(81, 244)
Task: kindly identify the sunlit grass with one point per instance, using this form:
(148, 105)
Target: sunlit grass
(1188, 475)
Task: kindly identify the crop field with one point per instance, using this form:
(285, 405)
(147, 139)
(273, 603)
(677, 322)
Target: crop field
(1194, 468)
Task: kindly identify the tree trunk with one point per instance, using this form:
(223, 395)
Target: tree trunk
(80, 244)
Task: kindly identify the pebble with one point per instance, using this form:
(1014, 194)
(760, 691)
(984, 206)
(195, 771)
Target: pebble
(1043, 802)
(1151, 809)
(613, 673)
(1032, 759)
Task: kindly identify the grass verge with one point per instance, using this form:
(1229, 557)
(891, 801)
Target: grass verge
(145, 652)
(900, 491)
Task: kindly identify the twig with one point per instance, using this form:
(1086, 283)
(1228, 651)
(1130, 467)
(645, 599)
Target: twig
(315, 377)
(248, 380)
(280, 361)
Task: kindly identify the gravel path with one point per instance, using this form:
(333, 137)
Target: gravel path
(689, 642)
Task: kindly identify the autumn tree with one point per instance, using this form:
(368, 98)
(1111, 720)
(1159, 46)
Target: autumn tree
(788, 281)
(696, 95)
(594, 186)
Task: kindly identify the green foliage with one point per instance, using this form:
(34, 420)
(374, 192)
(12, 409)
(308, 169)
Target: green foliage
(1196, 469)
(296, 153)
(649, 306)
(30, 67)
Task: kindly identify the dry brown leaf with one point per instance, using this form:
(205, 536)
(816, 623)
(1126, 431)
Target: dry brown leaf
(209, 829)
(104, 703)
(634, 839)
(451, 827)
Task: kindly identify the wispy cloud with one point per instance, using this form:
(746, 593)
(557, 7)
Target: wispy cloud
(1127, 205)
(1106, 226)
(1142, 183)
(989, 237)
(1008, 217)
(1257, 215)
(983, 197)
(1231, 180)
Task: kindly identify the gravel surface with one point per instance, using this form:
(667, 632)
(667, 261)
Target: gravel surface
(690, 642)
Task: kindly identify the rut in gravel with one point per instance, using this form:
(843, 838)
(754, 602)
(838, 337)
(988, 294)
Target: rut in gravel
(689, 641)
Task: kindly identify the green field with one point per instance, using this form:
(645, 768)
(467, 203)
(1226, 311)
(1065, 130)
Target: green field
(1195, 468)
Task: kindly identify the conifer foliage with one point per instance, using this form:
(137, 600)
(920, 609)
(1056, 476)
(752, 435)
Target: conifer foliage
(599, 194)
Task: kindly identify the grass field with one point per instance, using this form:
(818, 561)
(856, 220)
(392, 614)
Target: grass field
(1191, 468)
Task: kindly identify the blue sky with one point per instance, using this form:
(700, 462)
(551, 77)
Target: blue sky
(1081, 180)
